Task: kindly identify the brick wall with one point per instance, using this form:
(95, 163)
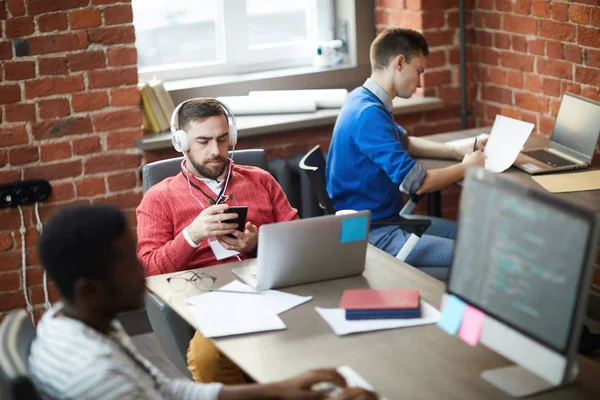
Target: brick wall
(69, 113)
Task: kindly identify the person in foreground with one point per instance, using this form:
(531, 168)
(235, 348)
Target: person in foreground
(370, 162)
(178, 217)
(82, 352)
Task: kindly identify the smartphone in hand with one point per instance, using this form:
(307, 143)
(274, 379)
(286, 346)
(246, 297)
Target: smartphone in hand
(242, 212)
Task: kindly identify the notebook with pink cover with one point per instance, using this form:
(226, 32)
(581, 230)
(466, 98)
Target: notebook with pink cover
(380, 299)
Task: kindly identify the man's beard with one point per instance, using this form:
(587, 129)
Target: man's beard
(205, 171)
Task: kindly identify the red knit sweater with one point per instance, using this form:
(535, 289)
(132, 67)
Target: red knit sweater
(167, 208)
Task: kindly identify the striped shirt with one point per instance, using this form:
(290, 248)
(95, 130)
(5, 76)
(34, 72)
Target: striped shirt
(70, 360)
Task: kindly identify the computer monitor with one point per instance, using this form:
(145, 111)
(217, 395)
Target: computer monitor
(524, 258)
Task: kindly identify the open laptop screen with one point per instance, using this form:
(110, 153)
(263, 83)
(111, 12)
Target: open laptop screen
(577, 125)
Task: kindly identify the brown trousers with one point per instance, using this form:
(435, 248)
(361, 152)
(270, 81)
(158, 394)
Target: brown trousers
(207, 364)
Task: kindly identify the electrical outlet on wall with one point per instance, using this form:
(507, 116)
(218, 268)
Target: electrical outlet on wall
(24, 192)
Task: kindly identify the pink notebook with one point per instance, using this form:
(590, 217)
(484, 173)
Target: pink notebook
(380, 299)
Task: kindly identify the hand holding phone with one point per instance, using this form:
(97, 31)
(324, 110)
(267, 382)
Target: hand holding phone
(242, 212)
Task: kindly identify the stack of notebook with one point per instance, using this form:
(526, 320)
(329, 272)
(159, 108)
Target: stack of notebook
(381, 304)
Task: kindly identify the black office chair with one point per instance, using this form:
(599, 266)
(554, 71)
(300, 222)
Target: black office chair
(313, 164)
(172, 331)
(16, 334)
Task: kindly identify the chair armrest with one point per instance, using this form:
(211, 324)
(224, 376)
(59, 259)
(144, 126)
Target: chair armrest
(416, 226)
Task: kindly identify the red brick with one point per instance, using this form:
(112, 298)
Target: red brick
(517, 61)
(497, 76)
(12, 300)
(588, 36)
(15, 71)
(55, 151)
(52, 86)
(440, 37)
(118, 56)
(16, 8)
(13, 135)
(63, 127)
(124, 14)
(52, 22)
(591, 92)
(570, 87)
(588, 76)
(554, 104)
(522, 7)
(558, 69)
(130, 96)
(53, 66)
(530, 102)
(86, 145)
(35, 7)
(11, 175)
(54, 108)
(554, 50)
(501, 40)
(112, 120)
(89, 101)
(390, 3)
(533, 83)
(20, 112)
(57, 43)
(111, 162)
(112, 35)
(88, 60)
(436, 78)
(50, 172)
(596, 16)
(62, 191)
(541, 8)
(558, 30)
(122, 181)
(23, 155)
(515, 79)
(580, 14)
(551, 87)
(6, 241)
(573, 54)
(405, 18)
(112, 78)
(105, 2)
(19, 27)
(518, 24)
(10, 93)
(503, 5)
(488, 56)
(381, 16)
(519, 43)
(5, 50)
(88, 187)
(546, 125)
(85, 18)
(3, 161)
(448, 94)
(484, 38)
(511, 112)
(121, 200)
(592, 58)
(560, 11)
(37, 294)
(122, 139)
(537, 46)
(528, 117)
(10, 281)
(497, 95)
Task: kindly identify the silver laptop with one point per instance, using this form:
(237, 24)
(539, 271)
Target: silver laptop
(309, 250)
(573, 141)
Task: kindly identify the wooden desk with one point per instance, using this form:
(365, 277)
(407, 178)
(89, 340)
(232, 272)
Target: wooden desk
(590, 198)
(410, 363)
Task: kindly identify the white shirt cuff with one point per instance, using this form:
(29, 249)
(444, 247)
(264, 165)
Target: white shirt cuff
(188, 239)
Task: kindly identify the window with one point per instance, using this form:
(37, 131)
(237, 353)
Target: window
(178, 39)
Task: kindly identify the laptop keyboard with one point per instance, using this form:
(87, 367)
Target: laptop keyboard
(549, 158)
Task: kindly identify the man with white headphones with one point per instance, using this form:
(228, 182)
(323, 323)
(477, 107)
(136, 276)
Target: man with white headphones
(180, 221)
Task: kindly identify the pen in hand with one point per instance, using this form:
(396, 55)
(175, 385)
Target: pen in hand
(475, 145)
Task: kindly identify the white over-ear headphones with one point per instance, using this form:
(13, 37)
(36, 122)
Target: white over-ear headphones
(180, 139)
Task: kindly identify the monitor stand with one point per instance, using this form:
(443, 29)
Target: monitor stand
(516, 381)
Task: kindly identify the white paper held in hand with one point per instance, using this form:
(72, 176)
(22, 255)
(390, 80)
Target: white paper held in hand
(467, 141)
(507, 138)
(336, 318)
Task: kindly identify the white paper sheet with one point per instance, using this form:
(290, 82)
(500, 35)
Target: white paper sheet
(223, 314)
(247, 105)
(467, 141)
(324, 98)
(507, 138)
(277, 301)
(336, 318)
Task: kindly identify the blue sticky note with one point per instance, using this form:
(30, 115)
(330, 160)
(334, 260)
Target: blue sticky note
(452, 315)
(354, 229)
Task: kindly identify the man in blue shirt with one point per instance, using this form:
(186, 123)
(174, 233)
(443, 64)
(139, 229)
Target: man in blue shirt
(370, 158)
